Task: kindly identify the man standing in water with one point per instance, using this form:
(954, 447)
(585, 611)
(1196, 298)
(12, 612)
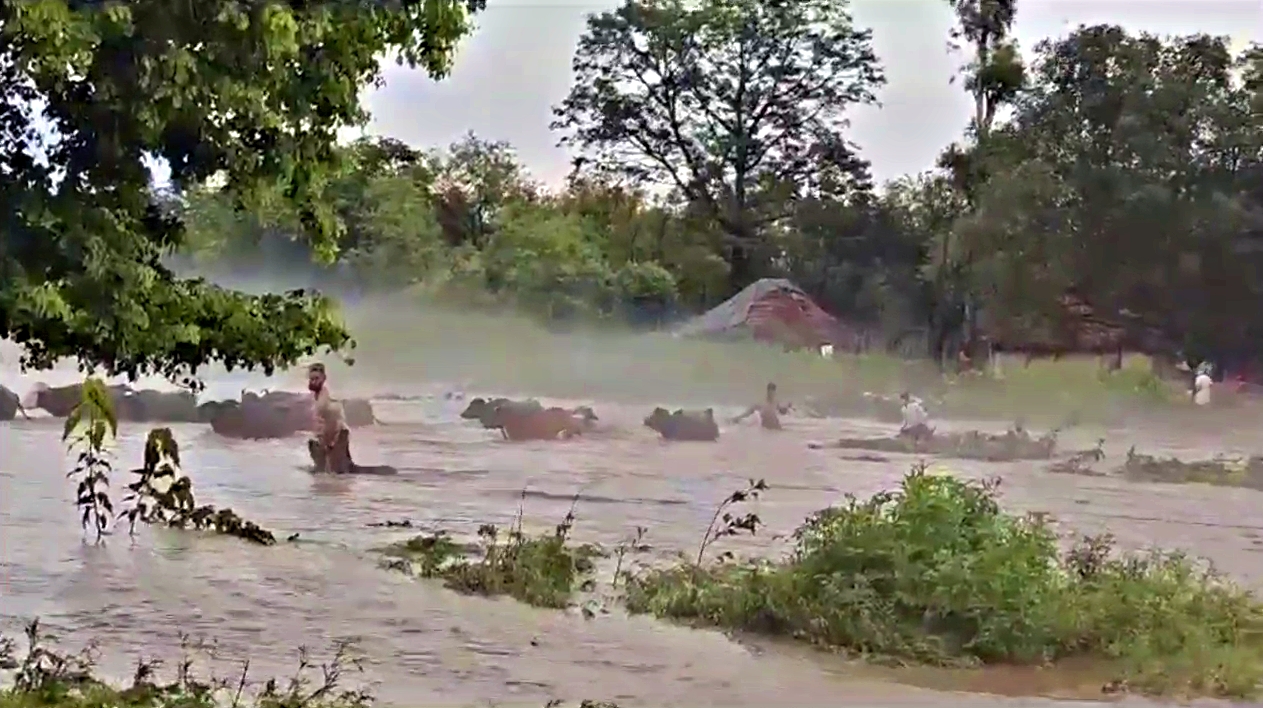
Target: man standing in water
(769, 410)
(915, 418)
(1202, 384)
(331, 446)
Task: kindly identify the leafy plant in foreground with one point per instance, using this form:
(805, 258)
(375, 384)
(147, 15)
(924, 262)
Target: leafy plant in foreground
(86, 430)
(723, 523)
(936, 572)
(43, 677)
(633, 544)
(162, 494)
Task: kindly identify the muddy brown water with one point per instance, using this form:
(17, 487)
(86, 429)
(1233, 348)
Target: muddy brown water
(428, 646)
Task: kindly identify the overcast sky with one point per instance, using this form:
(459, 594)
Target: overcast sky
(517, 65)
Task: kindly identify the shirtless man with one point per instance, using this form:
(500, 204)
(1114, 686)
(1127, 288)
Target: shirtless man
(770, 410)
(331, 446)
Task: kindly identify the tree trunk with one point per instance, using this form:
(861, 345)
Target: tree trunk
(740, 270)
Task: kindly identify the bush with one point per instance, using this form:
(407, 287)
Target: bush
(543, 570)
(161, 495)
(42, 677)
(936, 573)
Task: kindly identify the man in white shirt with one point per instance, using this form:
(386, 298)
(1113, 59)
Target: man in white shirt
(915, 418)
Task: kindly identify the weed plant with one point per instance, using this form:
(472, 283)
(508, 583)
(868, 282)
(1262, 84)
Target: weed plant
(542, 570)
(1014, 444)
(1080, 463)
(161, 493)
(1220, 471)
(935, 572)
(42, 677)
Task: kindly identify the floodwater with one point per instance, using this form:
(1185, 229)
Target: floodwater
(428, 646)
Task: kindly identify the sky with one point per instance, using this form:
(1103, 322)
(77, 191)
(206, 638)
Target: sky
(516, 66)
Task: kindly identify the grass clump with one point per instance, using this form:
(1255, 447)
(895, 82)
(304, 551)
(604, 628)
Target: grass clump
(1081, 463)
(542, 570)
(1014, 444)
(936, 573)
(1220, 471)
(42, 677)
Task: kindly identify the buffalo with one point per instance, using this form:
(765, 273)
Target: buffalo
(10, 404)
(697, 426)
(141, 406)
(486, 411)
(358, 412)
(275, 414)
(149, 406)
(60, 401)
(518, 424)
(252, 420)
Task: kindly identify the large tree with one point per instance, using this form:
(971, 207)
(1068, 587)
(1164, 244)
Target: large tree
(1126, 177)
(993, 75)
(740, 105)
(252, 91)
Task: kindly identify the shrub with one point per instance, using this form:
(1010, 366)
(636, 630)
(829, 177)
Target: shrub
(42, 677)
(542, 570)
(936, 572)
(161, 494)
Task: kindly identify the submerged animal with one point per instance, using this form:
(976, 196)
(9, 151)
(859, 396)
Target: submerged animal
(10, 404)
(150, 406)
(519, 424)
(485, 411)
(275, 414)
(586, 416)
(252, 420)
(60, 401)
(695, 426)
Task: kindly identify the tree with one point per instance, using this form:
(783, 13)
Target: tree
(475, 179)
(1125, 178)
(738, 104)
(254, 92)
(993, 76)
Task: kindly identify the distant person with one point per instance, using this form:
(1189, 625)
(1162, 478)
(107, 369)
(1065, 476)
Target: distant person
(916, 420)
(1201, 385)
(770, 410)
(331, 445)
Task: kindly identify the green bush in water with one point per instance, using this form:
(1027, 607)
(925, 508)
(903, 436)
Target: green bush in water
(542, 570)
(935, 572)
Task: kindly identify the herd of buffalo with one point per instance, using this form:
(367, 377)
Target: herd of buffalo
(530, 420)
(273, 414)
(280, 414)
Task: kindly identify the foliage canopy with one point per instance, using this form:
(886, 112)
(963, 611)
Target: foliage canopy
(251, 93)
